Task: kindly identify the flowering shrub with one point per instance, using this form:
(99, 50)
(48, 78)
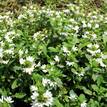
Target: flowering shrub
(53, 58)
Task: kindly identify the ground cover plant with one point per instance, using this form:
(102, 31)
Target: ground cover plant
(53, 57)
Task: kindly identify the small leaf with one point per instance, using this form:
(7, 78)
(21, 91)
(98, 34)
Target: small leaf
(87, 91)
(82, 98)
(95, 88)
(57, 103)
(14, 84)
(20, 95)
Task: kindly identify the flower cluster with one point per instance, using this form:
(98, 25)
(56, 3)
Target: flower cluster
(58, 54)
(45, 100)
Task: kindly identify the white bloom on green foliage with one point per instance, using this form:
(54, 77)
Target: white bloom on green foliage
(73, 95)
(30, 59)
(47, 82)
(94, 36)
(34, 95)
(38, 64)
(84, 24)
(22, 61)
(93, 53)
(8, 36)
(66, 11)
(43, 67)
(29, 70)
(4, 61)
(89, 25)
(89, 45)
(36, 35)
(57, 59)
(1, 52)
(47, 96)
(96, 25)
(100, 61)
(84, 104)
(20, 52)
(33, 88)
(65, 50)
(6, 99)
(21, 16)
(49, 99)
(96, 46)
(2, 99)
(10, 51)
(76, 28)
(69, 63)
(93, 49)
(74, 48)
(103, 56)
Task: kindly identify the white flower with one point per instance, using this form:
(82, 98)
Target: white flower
(2, 99)
(36, 35)
(1, 52)
(20, 52)
(30, 59)
(104, 56)
(8, 99)
(96, 46)
(34, 95)
(47, 82)
(76, 28)
(84, 24)
(69, 63)
(65, 50)
(29, 70)
(98, 51)
(56, 58)
(93, 53)
(96, 25)
(21, 16)
(33, 88)
(74, 48)
(73, 95)
(66, 11)
(22, 61)
(37, 104)
(84, 104)
(43, 67)
(52, 63)
(89, 45)
(38, 64)
(49, 99)
(10, 51)
(100, 61)
(94, 36)
(89, 25)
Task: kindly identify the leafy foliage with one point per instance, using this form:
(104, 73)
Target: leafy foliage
(53, 58)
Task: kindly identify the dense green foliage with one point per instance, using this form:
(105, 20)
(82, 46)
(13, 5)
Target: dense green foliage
(53, 57)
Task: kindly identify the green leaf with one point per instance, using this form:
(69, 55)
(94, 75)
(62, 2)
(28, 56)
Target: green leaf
(87, 91)
(82, 98)
(99, 80)
(14, 84)
(57, 103)
(72, 94)
(95, 88)
(105, 39)
(20, 95)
